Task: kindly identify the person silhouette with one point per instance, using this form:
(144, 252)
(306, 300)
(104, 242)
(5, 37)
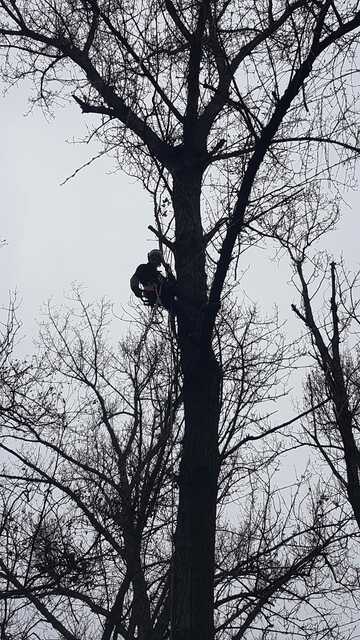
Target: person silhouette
(150, 285)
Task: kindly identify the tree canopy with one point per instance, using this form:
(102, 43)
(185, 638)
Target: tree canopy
(241, 120)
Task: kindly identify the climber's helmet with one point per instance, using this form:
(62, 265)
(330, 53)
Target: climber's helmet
(155, 257)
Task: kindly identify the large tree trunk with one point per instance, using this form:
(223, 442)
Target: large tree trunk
(193, 570)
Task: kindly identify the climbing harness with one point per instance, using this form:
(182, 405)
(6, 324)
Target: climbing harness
(151, 295)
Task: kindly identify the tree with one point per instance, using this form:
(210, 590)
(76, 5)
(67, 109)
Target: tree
(93, 435)
(250, 108)
(334, 425)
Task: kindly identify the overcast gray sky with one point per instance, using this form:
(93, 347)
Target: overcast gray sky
(93, 230)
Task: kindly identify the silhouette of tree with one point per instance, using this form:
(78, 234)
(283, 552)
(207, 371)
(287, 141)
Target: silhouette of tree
(240, 114)
(333, 428)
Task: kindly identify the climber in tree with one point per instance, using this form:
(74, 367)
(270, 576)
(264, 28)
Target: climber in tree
(155, 288)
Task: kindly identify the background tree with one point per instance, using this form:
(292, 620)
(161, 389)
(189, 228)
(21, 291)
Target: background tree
(257, 101)
(93, 436)
(333, 428)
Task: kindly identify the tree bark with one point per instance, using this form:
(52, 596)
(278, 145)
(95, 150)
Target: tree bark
(193, 568)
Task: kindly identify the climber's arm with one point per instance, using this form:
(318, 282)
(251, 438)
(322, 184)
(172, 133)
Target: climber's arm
(134, 285)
